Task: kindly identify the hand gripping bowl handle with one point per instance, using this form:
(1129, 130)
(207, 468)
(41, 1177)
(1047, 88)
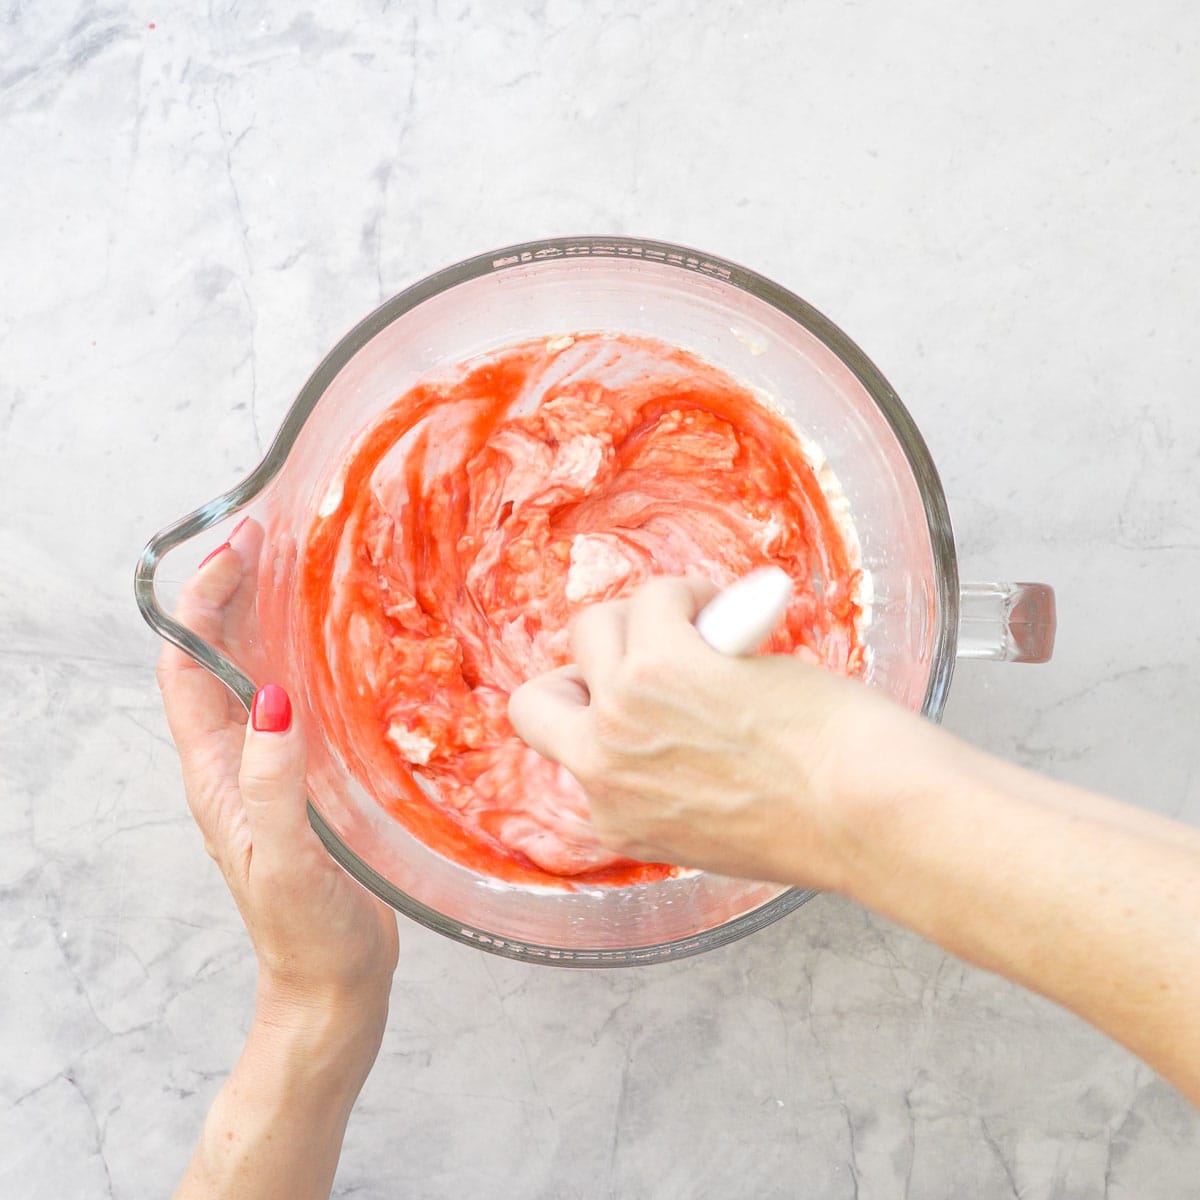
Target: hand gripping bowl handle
(1006, 622)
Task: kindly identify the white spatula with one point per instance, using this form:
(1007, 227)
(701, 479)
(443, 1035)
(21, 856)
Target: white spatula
(742, 617)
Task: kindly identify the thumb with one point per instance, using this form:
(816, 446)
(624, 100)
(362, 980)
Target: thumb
(549, 713)
(272, 775)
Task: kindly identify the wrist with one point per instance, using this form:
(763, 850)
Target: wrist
(334, 1034)
(884, 766)
(913, 802)
(277, 1125)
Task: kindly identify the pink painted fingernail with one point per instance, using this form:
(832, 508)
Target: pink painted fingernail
(237, 527)
(271, 711)
(210, 556)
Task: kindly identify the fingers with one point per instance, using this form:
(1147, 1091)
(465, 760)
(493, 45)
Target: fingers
(603, 634)
(598, 640)
(664, 609)
(196, 702)
(549, 713)
(246, 540)
(272, 778)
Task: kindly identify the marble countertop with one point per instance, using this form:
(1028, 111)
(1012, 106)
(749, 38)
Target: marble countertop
(1000, 203)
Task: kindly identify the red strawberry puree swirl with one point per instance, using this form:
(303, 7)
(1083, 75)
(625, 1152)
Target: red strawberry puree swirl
(481, 513)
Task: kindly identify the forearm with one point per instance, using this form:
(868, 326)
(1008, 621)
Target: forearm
(1092, 903)
(276, 1127)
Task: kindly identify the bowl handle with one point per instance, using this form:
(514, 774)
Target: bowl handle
(165, 625)
(1006, 622)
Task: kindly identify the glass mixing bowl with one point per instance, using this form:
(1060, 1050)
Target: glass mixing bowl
(743, 323)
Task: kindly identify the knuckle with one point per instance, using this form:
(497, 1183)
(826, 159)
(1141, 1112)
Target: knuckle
(588, 617)
(594, 623)
(663, 585)
(255, 781)
(647, 675)
(619, 841)
(610, 722)
(274, 875)
(589, 765)
(162, 673)
(615, 834)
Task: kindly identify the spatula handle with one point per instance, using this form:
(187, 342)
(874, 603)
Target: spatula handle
(742, 617)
